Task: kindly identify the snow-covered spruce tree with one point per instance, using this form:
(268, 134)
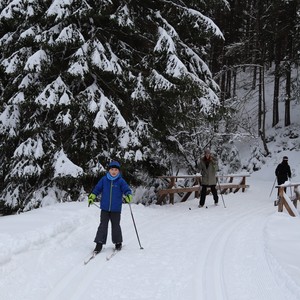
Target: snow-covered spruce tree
(89, 81)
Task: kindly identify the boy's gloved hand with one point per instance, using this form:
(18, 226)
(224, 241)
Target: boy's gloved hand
(91, 198)
(128, 198)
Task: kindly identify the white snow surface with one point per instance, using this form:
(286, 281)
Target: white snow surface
(246, 251)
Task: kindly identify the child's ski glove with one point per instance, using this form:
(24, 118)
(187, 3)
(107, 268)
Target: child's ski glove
(128, 198)
(91, 199)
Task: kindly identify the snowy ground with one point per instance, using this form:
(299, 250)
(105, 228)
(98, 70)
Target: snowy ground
(244, 251)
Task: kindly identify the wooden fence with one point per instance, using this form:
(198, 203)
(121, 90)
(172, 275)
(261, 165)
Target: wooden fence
(225, 183)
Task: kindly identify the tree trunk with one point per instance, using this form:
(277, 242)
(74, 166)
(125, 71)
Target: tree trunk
(263, 108)
(260, 111)
(287, 115)
(234, 82)
(276, 94)
(228, 84)
(223, 85)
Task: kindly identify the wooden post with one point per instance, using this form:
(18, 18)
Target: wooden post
(172, 183)
(281, 199)
(243, 182)
(297, 195)
(282, 203)
(230, 181)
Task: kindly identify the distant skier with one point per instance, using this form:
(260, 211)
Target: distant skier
(112, 187)
(283, 171)
(208, 169)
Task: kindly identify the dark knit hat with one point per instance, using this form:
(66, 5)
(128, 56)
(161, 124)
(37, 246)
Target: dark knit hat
(285, 158)
(114, 164)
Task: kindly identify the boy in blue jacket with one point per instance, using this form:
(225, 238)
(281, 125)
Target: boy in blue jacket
(112, 187)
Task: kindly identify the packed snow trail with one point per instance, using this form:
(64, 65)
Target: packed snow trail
(195, 254)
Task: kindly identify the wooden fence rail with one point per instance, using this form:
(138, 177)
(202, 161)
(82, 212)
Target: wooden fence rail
(194, 185)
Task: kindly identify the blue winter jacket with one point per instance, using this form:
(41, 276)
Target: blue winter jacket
(111, 192)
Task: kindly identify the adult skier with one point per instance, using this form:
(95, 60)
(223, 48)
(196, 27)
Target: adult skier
(208, 169)
(283, 171)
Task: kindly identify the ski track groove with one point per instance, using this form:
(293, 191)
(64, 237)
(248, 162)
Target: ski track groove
(210, 264)
(208, 267)
(213, 254)
(213, 257)
(82, 275)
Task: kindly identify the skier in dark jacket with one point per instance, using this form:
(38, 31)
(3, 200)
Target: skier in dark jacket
(283, 171)
(112, 187)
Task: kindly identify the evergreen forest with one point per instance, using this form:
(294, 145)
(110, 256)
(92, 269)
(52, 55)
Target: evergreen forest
(149, 83)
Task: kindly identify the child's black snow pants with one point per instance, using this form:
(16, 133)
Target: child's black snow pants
(116, 232)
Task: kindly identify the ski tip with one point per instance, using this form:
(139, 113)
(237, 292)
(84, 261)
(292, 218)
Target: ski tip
(90, 258)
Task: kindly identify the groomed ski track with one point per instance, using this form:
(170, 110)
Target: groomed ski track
(195, 254)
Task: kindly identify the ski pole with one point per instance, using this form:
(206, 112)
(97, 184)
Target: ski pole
(272, 187)
(221, 192)
(96, 205)
(137, 235)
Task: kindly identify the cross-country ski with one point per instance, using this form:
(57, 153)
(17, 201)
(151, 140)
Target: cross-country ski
(110, 256)
(94, 254)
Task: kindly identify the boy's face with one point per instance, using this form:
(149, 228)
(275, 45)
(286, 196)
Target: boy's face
(114, 172)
